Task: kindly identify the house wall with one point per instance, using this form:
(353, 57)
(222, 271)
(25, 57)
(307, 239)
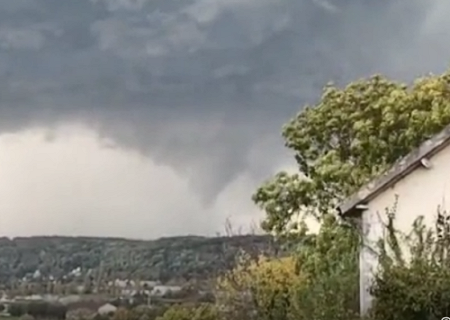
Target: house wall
(419, 193)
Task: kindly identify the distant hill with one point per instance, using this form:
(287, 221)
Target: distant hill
(165, 259)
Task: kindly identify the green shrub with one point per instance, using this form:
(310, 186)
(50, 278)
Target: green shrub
(38, 310)
(195, 312)
(318, 282)
(329, 267)
(17, 309)
(416, 287)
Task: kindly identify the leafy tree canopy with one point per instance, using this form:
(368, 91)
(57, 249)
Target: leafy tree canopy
(352, 135)
(258, 289)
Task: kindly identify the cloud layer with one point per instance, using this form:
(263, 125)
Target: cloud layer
(199, 88)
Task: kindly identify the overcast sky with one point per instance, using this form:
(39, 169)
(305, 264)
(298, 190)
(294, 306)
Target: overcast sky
(149, 118)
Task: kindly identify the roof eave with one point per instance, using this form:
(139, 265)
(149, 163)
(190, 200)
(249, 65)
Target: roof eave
(399, 170)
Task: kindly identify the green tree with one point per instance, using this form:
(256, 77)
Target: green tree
(17, 309)
(328, 267)
(259, 290)
(324, 269)
(350, 136)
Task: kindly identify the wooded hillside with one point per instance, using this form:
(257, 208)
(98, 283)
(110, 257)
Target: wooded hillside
(165, 259)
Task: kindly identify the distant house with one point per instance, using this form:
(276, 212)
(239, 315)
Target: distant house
(107, 309)
(162, 290)
(140, 297)
(417, 185)
(118, 283)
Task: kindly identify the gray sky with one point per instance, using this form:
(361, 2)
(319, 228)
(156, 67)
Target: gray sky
(148, 118)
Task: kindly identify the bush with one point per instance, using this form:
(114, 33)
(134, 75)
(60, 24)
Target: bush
(122, 314)
(26, 317)
(183, 312)
(46, 310)
(101, 317)
(329, 267)
(207, 297)
(416, 287)
(38, 310)
(257, 289)
(325, 268)
(57, 311)
(141, 312)
(321, 281)
(17, 309)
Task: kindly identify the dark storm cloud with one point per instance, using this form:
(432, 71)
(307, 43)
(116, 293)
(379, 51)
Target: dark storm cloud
(199, 84)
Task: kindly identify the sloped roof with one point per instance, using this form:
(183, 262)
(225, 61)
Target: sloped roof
(400, 169)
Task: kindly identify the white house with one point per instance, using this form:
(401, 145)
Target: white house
(162, 290)
(107, 309)
(149, 283)
(417, 184)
